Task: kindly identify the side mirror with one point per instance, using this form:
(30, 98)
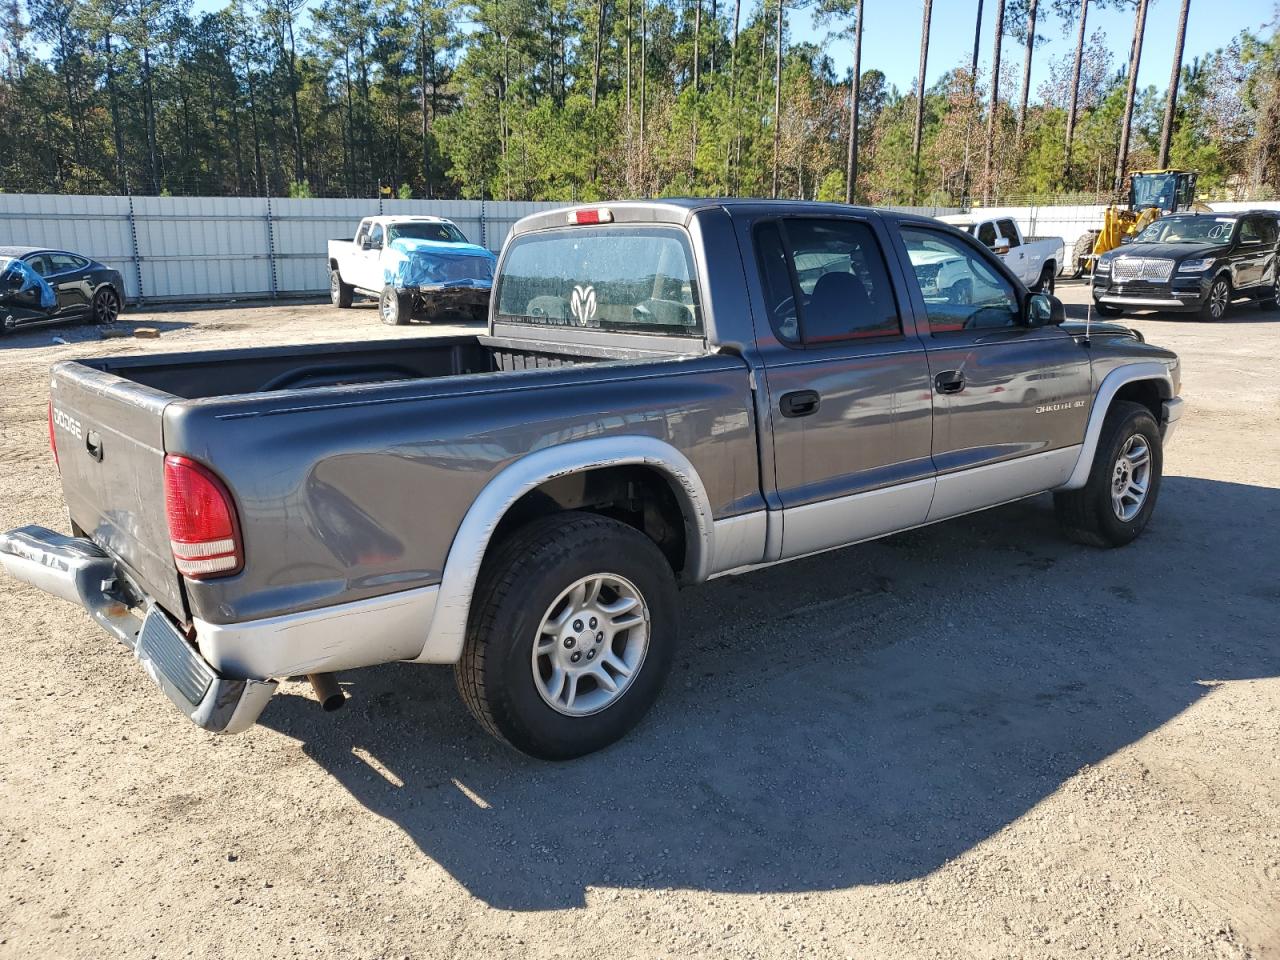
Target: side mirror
(1127, 238)
(1001, 247)
(1045, 310)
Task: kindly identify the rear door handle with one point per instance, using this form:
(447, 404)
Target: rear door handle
(949, 381)
(800, 403)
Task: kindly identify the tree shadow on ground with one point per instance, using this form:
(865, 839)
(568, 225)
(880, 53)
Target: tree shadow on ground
(860, 717)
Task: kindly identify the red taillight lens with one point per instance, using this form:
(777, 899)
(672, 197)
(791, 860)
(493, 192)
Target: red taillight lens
(53, 440)
(203, 531)
(593, 215)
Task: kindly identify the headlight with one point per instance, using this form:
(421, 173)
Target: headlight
(1195, 266)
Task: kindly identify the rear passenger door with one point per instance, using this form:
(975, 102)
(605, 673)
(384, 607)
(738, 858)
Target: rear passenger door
(1010, 401)
(847, 380)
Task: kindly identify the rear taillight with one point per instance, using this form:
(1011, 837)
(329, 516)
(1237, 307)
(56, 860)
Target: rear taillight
(53, 440)
(203, 531)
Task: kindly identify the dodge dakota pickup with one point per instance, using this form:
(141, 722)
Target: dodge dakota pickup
(666, 392)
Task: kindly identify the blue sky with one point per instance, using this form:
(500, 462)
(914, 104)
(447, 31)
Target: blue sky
(891, 36)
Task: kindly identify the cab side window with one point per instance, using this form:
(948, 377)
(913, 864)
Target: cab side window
(40, 264)
(1009, 232)
(987, 234)
(375, 237)
(825, 281)
(362, 233)
(1268, 230)
(961, 290)
(65, 262)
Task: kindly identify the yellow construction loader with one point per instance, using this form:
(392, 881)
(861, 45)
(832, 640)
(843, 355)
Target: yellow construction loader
(1152, 194)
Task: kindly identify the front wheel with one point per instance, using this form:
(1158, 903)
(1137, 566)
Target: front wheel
(570, 637)
(105, 307)
(395, 308)
(1117, 500)
(1219, 299)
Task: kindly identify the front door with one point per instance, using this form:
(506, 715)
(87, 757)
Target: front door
(848, 384)
(71, 281)
(1011, 400)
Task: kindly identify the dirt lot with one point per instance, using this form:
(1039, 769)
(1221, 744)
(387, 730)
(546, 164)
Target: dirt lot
(972, 740)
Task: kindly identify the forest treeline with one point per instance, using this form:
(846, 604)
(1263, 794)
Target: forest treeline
(589, 99)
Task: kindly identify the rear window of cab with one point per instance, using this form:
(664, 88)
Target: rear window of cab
(630, 279)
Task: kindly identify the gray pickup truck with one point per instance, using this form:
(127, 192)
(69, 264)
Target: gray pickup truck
(667, 392)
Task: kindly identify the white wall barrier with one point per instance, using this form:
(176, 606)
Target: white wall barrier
(218, 248)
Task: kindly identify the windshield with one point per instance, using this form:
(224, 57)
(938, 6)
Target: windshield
(623, 278)
(1189, 230)
(425, 230)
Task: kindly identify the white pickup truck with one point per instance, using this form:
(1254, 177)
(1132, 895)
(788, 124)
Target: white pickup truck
(416, 267)
(1034, 260)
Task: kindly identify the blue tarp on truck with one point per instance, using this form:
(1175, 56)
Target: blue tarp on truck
(411, 263)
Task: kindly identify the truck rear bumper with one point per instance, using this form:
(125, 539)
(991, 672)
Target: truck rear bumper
(78, 570)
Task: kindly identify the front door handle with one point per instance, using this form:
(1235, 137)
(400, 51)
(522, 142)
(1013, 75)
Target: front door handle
(800, 403)
(949, 381)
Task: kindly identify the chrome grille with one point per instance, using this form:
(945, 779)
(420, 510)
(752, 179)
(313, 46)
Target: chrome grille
(1141, 268)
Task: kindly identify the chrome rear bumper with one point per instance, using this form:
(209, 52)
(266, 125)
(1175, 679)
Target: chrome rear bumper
(78, 570)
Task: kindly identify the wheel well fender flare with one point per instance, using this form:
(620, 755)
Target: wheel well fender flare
(1103, 398)
(447, 631)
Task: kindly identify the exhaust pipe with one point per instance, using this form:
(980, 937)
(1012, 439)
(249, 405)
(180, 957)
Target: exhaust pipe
(327, 691)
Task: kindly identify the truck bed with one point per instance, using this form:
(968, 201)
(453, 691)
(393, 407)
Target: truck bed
(365, 428)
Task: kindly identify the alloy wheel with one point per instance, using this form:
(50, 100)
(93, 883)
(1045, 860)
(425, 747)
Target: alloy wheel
(590, 645)
(106, 307)
(1218, 297)
(1131, 478)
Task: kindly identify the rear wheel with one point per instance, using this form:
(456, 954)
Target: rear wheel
(570, 637)
(1219, 299)
(395, 308)
(105, 307)
(1048, 277)
(1117, 500)
(340, 294)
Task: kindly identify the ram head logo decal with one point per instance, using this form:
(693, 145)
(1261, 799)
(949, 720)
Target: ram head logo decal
(583, 304)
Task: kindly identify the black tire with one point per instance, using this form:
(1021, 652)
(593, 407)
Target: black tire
(1048, 278)
(1218, 301)
(1087, 515)
(105, 307)
(517, 588)
(395, 309)
(340, 294)
(1082, 248)
(1106, 310)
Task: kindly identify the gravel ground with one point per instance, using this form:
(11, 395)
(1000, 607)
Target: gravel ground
(972, 740)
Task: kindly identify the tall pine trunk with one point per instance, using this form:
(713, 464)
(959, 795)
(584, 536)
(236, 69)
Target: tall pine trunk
(777, 100)
(993, 112)
(1026, 70)
(855, 94)
(1074, 96)
(1135, 60)
(1171, 98)
(972, 107)
(919, 127)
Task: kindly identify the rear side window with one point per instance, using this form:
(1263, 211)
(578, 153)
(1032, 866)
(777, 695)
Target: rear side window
(623, 278)
(826, 281)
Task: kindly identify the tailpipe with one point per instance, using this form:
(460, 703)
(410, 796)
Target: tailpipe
(327, 691)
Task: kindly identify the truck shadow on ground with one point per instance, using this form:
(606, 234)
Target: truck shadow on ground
(860, 717)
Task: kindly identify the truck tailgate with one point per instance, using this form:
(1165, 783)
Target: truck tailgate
(109, 436)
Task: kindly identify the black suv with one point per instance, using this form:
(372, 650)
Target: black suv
(1193, 262)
